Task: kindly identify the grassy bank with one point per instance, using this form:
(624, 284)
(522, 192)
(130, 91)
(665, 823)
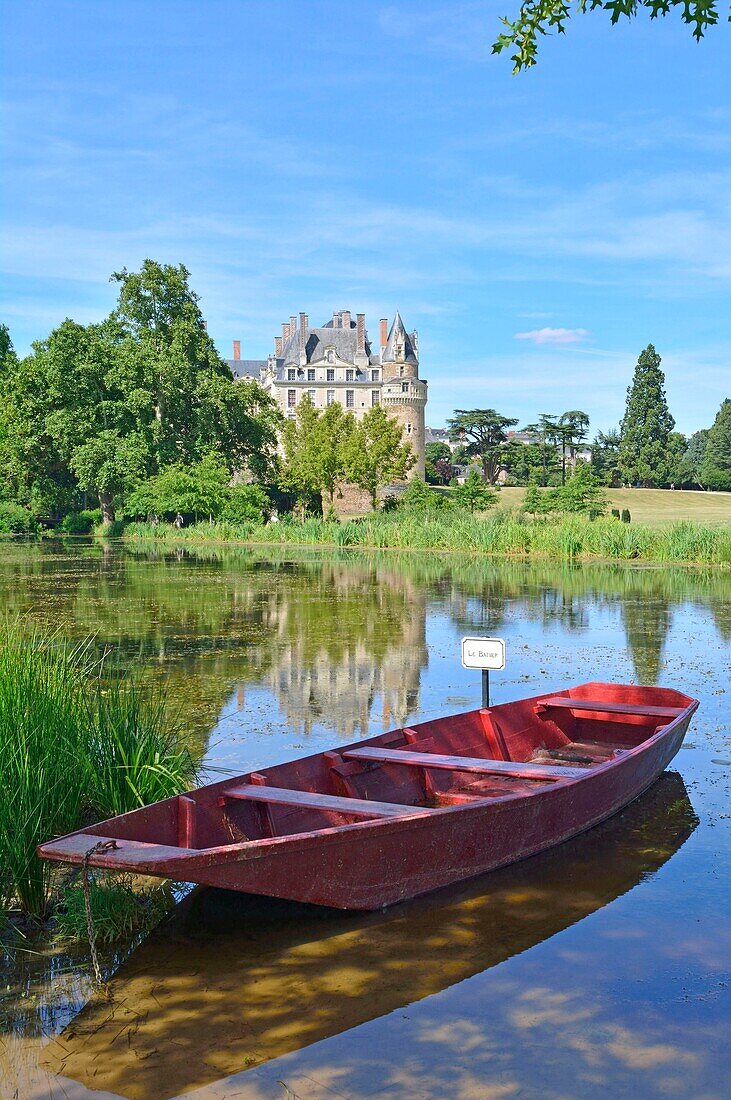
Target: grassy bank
(73, 749)
(499, 534)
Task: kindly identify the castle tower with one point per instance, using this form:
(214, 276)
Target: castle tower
(404, 393)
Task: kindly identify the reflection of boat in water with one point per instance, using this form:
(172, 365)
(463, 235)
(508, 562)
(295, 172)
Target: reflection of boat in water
(407, 812)
(233, 980)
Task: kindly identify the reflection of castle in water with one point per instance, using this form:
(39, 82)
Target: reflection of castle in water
(343, 641)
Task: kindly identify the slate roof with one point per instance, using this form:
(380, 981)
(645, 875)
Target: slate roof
(399, 335)
(343, 340)
(329, 335)
(241, 367)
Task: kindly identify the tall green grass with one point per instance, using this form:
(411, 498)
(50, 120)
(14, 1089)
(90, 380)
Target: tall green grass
(43, 766)
(499, 534)
(135, 751)
(71, 752)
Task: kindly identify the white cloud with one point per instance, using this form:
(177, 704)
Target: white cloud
(554, 335)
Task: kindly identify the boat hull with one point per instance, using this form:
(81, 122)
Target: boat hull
(374, 863)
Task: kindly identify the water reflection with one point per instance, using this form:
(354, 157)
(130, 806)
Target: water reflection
(233, 981)
(337, 641)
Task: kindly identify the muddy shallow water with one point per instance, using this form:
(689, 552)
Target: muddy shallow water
(602, 964)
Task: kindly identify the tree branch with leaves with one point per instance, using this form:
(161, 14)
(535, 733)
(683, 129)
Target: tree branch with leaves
(538, 18)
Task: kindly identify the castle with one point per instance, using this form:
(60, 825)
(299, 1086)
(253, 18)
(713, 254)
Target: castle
(337, 362)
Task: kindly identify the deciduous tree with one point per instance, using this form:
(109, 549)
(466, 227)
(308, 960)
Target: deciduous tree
(541, 17)
(98, 408)
(376, 454)
(690, 471)
(716, 468)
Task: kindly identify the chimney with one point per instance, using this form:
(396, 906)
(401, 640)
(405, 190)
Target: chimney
(237, 349)
(304, 332)
(285, 334)
(360, 333)
(278, 346)
(336, 320)
(384, 332)
(292, 325)
(345, 315)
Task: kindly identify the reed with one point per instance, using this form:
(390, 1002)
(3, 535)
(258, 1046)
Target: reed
(136, 753)
(500, 533)
(43, 766)
(71, 751)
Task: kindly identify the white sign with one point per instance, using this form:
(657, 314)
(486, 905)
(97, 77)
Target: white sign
(483, 653)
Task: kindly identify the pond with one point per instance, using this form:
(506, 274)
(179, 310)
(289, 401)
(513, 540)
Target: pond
(602, 964)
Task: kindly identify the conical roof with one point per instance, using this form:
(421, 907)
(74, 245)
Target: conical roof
(399, 335)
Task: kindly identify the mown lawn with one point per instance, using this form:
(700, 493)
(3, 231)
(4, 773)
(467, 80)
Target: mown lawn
(656, 507)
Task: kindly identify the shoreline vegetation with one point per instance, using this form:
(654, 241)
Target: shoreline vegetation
(78, 744)
(499, 534)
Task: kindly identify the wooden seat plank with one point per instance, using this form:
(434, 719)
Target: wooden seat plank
(607, 707)
(464, 763)
(313, 800)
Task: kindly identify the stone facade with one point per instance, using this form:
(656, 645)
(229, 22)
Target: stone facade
(337, 362)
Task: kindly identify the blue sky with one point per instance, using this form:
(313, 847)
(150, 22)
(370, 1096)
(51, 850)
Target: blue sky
(537, 230)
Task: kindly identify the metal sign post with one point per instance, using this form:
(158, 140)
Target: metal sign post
(485, 654)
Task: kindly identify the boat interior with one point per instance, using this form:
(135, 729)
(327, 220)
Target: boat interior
(515, 748)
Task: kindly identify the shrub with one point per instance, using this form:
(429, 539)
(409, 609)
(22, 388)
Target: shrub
(615, 513)
(626, 517)
(81, 523)
(474, 494)
(16, 520)
(246, 504)
(419, 499)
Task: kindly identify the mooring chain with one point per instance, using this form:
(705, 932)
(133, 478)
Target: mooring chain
(102, 846)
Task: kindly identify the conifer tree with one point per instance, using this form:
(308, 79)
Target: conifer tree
(647, 424)
(716, 468)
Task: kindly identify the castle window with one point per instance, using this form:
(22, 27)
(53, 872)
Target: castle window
(408, 429)
(350, 399)
(375, 398)
(291, 398)
(310, 374)
(330, 376)
(404, 387)
(330, 397)
(291, 375)
(401, 372)
(312, 394)
(330, 355)
(349, 376)
(375, 376)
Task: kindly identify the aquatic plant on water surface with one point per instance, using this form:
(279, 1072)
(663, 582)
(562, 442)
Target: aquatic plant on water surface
(73, 749)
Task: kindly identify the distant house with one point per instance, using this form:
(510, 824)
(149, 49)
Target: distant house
(440, 435)
(461, 473)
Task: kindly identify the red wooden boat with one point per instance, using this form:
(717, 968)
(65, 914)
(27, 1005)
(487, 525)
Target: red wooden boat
(382, 820)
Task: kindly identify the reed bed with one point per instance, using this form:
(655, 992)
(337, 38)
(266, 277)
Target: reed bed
(71, 751)
(499, 534)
